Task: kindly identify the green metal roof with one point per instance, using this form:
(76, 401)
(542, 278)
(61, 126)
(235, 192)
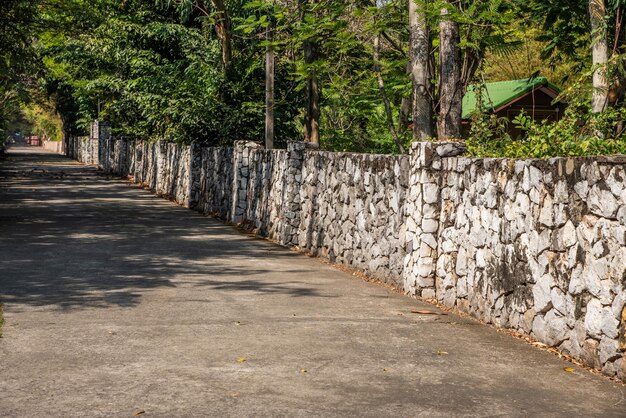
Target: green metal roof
(500, 93)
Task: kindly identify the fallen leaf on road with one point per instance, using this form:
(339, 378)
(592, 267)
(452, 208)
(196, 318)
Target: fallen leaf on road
(569, 369)
(141, 411)
(427, 312)
(385, 370)
(241, 360)
(441, 353)
(303, 371)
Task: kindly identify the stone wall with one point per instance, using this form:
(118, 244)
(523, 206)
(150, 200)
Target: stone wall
(215, 183)
(146, 157)
(83, 149)
(175, 172)
(352, 211)
(260, 196)
(538, 246)
(54, 146)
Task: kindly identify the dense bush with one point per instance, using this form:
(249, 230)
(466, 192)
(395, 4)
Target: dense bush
(578, 133)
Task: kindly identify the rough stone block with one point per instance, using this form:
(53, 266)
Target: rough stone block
(589, 353)
(602, 202)
(541, 293)
(594, 318)
(608, 350)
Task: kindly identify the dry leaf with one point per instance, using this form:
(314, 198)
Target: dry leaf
(441, 353)
(569, 369)
(541, 345)
(426, 312)
(303, 371)
(385, 370)
(241, 360)
(139, 412)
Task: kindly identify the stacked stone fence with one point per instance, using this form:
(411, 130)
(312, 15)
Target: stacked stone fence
(54, 146)
(537, 246)
(83, 149)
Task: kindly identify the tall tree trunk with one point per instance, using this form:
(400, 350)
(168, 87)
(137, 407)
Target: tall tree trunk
(222, 28)
(599, 52)
(383, 94)
(269, 91)
(311, 110)
(312, 93)
(403, 116)
(405, 108)
(450, 86)
(420, 75)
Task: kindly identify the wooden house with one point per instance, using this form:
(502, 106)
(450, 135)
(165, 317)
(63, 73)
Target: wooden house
(536, 97)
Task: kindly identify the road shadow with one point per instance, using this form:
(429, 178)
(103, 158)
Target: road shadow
(73, 239)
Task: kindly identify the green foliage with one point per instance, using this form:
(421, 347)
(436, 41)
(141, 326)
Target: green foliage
(488, 136)
(43, 121)
(565, 29)
(578, 133)
(18, 61)
(522, 121)
(156, 72)
(155, 69)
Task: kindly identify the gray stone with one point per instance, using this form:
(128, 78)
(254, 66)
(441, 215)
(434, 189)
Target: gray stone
(602, 202)
(461, 262)
(430, 226)
(425, 267)
(620, 367)
(582, 189)
(577, 281)
(594, 318)
(541, 293)
(609, 324)
(608, 350)
(551, 329)
(450, 149)
(546, 213)
(589, 353)
(430, 192)
(558, 300)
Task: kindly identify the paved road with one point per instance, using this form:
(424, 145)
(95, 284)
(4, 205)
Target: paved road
(118, 302)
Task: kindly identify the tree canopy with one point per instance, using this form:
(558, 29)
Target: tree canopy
(344, 70)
